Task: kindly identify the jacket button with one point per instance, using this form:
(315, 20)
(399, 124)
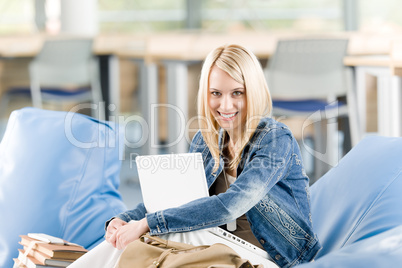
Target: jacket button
(262, 241)
(278, 257)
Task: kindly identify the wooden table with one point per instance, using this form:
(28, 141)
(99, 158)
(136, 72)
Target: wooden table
(389, 88)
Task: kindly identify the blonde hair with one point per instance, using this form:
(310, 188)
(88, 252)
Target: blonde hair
(243, 66)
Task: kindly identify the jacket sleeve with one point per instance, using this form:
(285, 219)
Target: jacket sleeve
(267, 165)
(134, 214)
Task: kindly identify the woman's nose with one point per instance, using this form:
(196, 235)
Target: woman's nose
(227, 103)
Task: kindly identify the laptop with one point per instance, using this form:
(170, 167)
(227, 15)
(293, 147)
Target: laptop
(172, 180)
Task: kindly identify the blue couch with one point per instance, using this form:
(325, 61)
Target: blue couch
(59, 175)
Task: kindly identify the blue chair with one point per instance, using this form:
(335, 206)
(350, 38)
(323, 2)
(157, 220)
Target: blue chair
(356, 207)
(59, 175)
(305, 78)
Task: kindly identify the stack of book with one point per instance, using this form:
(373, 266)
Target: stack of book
(41, 250)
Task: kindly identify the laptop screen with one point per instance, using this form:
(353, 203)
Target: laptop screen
(171, 180)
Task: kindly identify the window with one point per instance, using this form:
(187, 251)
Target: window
(380, 16)
(17, 16)
(304, 15)
(144, 16)
(141, 16)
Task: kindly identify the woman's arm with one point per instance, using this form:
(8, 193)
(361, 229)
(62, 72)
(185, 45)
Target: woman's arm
(268, 164)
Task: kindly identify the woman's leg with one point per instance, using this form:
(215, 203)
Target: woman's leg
(103, 255)
(106, 256)
(205, 237)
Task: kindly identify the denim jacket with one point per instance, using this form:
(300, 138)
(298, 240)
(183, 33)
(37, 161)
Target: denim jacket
(271, 188)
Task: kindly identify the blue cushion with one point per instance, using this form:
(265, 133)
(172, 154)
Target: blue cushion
(59, 174)
(360, 197)
(306, 105)
(382, 250)
(48, 90)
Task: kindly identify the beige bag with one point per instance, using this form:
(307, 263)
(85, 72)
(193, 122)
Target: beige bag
(153, 252)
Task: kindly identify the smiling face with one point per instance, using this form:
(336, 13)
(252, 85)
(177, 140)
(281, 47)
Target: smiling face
(227, 101)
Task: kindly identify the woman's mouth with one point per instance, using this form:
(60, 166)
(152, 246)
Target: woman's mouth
(228, 116)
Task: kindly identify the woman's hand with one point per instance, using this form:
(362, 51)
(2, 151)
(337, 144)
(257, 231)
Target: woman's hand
(112, 227)
(127, 233)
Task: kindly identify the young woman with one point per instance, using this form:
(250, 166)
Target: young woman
(258, 186)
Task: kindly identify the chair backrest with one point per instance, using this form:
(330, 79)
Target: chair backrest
(308, 69)
(63, 61)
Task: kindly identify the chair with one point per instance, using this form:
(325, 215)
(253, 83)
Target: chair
(355, 207)
(306, 77)
(62, 71)
(59, 175)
